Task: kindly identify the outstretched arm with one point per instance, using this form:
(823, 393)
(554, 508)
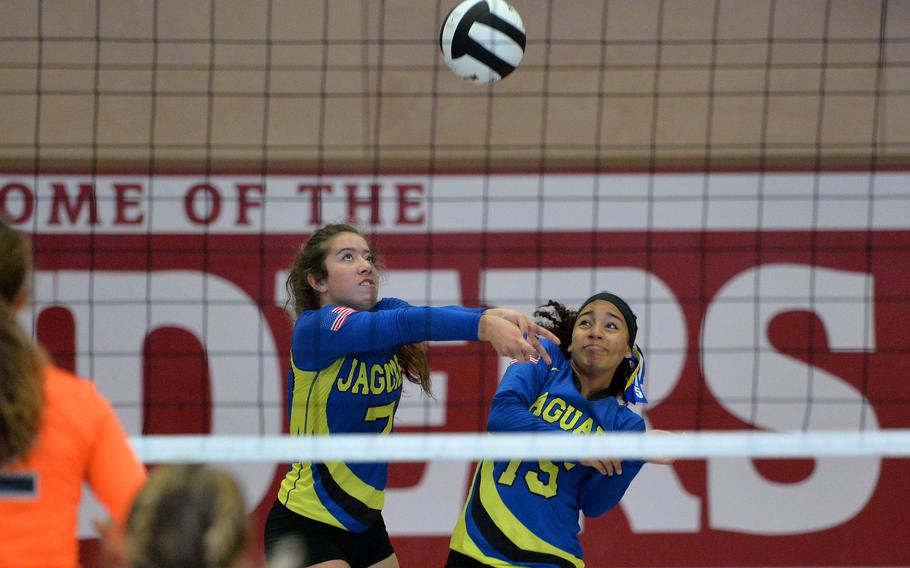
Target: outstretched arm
(321, 336)
(520, 345)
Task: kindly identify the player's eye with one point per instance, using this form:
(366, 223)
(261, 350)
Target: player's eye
(347, 256)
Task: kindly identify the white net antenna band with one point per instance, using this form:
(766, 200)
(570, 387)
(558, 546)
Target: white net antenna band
(426, 447)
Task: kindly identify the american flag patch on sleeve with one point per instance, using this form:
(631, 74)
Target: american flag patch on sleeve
(341, 315)
(533, 360)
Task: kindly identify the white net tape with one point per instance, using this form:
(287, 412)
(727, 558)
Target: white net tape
(431, 447)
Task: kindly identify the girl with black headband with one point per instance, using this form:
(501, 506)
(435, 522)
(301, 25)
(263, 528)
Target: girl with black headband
(525, 513)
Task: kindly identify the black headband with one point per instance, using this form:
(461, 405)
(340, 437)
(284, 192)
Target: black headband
(627, 313)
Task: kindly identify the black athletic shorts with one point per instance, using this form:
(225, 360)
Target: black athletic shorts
(459, 560)
(324, 542)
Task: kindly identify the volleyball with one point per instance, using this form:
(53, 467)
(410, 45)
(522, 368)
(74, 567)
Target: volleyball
(482, 40)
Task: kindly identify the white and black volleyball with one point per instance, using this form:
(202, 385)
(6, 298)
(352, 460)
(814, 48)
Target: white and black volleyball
(482, 40)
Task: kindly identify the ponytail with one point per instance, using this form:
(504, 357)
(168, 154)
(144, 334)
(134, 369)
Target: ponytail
(21, 362)
(415, 367)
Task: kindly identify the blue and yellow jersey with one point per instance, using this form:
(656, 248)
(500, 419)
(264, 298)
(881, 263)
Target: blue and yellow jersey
(525, 513)
(345, 378)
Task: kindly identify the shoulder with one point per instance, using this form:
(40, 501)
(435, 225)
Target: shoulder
(330, 317)
(76, 399)
(559, 361)
(319, 313)
(74, 390)
(390, 304)
(75, 410)
(628, 420)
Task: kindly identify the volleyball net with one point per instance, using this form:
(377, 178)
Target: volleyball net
(473, 447)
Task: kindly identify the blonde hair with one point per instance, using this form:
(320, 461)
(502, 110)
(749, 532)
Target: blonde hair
(21, 361)
(187, 515)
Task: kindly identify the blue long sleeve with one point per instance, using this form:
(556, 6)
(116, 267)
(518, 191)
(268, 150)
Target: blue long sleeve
(520, 386)
(321, 336)
(603, 492)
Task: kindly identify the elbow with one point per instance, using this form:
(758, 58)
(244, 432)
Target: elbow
(495, 424)
(498, 420)
(594, 512)
(498, 417)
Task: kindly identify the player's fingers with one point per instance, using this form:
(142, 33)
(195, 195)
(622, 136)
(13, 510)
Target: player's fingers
(596, 465)
(518, 349)
(617, 466)
(543, 332)
(540, 349)
(527, 350)
(513, 350)
(522, 321)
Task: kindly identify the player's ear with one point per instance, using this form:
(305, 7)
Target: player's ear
(318, 285)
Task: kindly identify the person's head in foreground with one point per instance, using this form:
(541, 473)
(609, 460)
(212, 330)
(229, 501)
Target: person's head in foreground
(188, 516)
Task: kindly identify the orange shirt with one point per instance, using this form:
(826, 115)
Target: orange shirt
(81, 440)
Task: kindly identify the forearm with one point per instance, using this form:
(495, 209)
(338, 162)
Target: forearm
(439, 324)
(601, 492)
(514, 416)
(323, 336)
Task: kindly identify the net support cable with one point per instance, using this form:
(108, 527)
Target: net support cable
(553, 446)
